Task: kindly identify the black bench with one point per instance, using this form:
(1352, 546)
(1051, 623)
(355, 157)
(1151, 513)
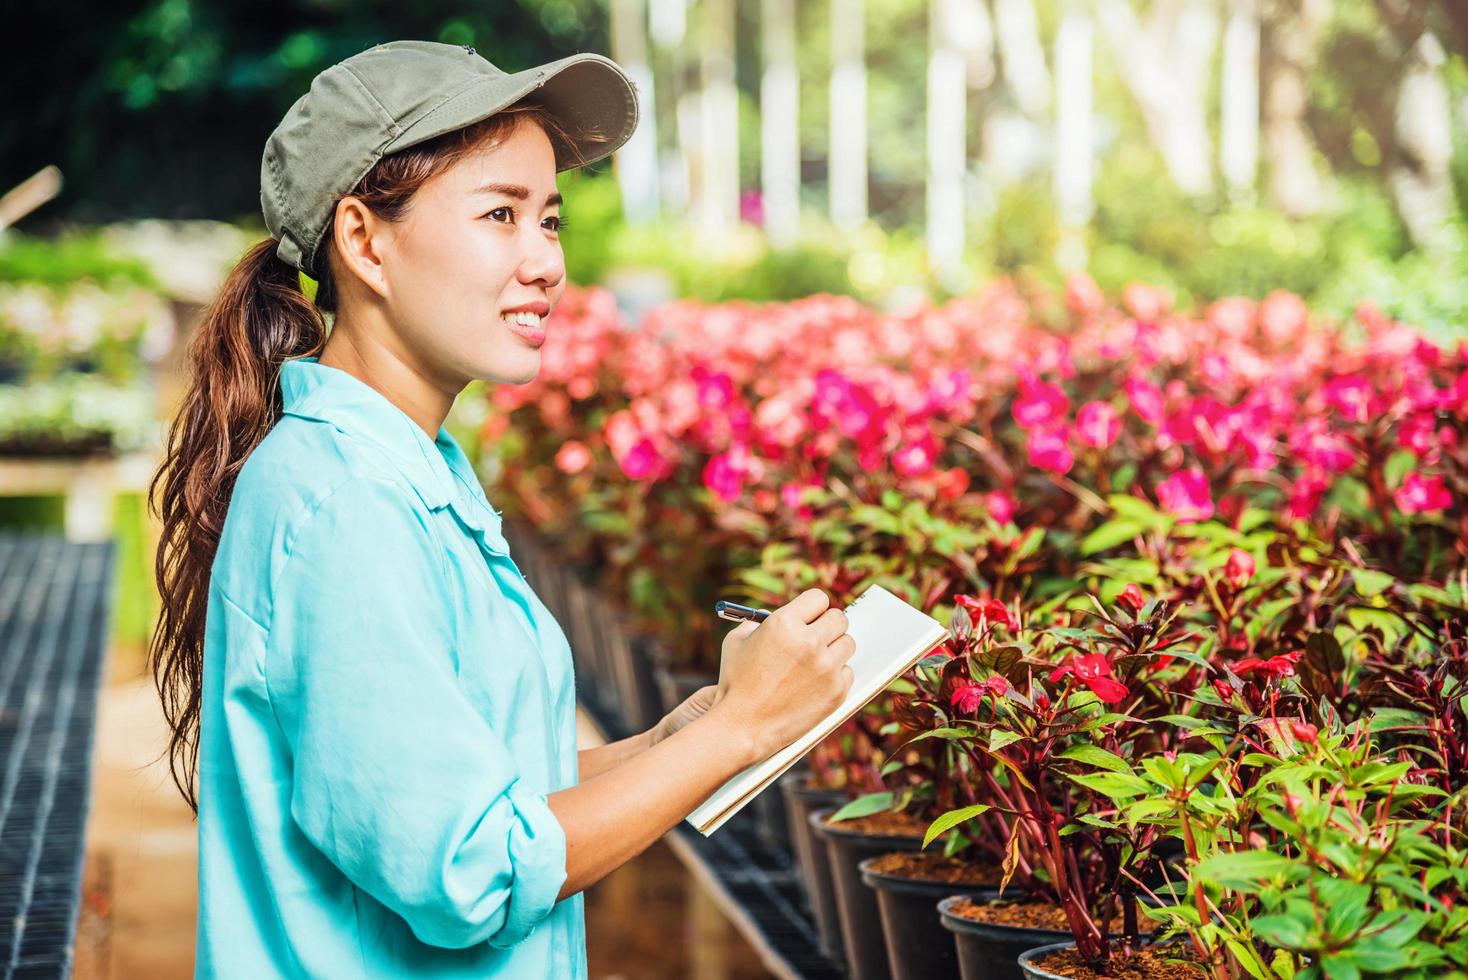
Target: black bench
(53, 631)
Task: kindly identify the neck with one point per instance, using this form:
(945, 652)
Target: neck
(391, 372)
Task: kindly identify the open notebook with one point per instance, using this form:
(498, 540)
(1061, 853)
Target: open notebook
(890, 637)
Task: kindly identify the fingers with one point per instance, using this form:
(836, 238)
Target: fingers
(848, 678)
(743, 629)
(843, 649)
(830, 626)
(809, 605)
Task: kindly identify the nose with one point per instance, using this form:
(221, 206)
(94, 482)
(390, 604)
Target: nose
(541, 260)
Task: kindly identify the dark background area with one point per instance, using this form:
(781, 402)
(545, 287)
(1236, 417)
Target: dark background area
(162, 108)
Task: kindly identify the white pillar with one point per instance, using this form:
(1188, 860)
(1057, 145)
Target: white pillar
(1239, 127)
(636, 163)
(779, 97)
(719, 110)
(668, 25)
(947, 141)
(1073, 139)
(848, 149)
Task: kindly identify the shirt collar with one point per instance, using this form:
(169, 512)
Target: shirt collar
(437, 468)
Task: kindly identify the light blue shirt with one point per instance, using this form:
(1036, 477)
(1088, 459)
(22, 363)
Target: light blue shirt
(386, 706)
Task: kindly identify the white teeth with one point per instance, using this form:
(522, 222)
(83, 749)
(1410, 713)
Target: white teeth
(526, 318)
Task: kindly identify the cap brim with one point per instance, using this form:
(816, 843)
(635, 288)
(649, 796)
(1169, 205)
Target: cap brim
(588, 95)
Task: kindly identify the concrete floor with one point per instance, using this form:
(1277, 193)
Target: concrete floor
(647, 920)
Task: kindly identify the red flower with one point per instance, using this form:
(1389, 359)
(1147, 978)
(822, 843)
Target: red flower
(1280, 666)
(983, 611)
(1094, 670)
(1305, 732)
(968, 697)
(1240, 568)
(1224, 690)
(1131, 598)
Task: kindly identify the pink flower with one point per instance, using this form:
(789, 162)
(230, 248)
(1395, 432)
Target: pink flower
(573, 457)
(1082, 296)
(984, 611)
(1186, 495)
(1145, 302)
(724, 477)
(1093, 670)
(1049, 450)
(1146, 399)
(1097, 424)
(1001, 506)
(1418, 434)
(1239, 570)
(1039, 403)
(1282, 315)
(1420, 494)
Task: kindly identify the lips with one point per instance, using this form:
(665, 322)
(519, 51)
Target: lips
(533, 333)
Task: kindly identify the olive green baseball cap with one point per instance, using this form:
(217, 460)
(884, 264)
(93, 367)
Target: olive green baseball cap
(395, 95)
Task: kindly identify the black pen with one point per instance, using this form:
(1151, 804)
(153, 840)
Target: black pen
(739, 614)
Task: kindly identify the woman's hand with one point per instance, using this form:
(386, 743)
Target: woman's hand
(696, 705)
(780, 677)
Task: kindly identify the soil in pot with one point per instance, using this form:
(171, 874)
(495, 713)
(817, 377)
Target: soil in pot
(809, 850)
(1172, 962)
(908, 887)
(848, 843)
(992, 934)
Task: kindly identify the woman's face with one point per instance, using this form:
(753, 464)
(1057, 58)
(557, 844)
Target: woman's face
(473, 271)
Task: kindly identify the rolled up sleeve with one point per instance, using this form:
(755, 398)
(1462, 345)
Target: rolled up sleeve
(397, 778)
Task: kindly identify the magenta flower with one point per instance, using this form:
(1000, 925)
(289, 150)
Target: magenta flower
(1186, 495)
(984, 611)
(1039, 403)
(1097, 424)
(642, 461)
(1050, 450)
(968, 696)
(1001, 506)
(1305, 496)
(1420, 494)
(1351, 396)
(1146, 399)
(916, 458)
(724, 477)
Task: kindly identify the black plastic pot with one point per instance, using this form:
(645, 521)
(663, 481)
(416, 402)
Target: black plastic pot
(809, 851)
(991, 952)
(1027, 961)
(918, 947)
(861, 922)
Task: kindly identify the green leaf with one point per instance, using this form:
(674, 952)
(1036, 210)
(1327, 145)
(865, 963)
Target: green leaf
(1243, 869)
(1371, 583)
(1281, 930)
(864, 806)
(952, 819)
(1115, 785)
(1109, 535)
(1094, 755)
(1002, 737)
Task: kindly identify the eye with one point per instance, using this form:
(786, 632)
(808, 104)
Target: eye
(558, 223)
(506, 209)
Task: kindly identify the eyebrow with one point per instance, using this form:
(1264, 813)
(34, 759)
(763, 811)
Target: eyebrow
(518, 191)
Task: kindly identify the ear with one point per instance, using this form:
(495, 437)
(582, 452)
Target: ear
(359, 238)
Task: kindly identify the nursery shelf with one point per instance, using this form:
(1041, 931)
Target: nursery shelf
(754, 884)
(53, 617)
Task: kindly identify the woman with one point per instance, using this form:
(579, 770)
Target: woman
(379, 709)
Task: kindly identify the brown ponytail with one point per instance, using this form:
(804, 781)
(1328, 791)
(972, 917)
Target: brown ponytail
(260, 319)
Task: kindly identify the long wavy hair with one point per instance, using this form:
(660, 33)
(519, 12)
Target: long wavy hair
(261, 318)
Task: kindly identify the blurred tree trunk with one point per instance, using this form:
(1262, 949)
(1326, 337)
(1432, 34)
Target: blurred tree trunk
(637, 160)
(780, 124)
(1023, 56)
(848, 150)
(1294, 29)
(1167, 66)
(1239, 128)
(947, 142)
(1422, 180)
(1073, 140)
(719, 112)
(668, 26)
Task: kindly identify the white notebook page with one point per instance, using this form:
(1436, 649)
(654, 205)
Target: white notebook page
(890, 637)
